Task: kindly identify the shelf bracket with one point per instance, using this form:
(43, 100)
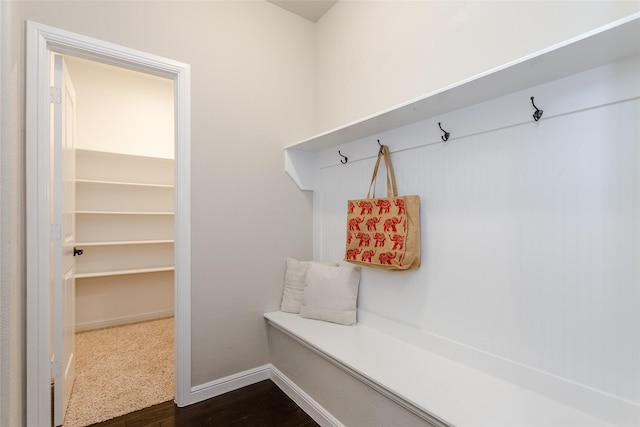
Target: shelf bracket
(301, 168)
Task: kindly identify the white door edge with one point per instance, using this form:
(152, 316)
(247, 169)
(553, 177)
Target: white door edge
(41, 41)
(63, 215)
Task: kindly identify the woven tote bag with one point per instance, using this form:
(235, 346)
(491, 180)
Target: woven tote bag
(384, 233)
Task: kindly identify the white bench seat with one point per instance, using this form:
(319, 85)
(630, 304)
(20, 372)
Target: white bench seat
(440, 390)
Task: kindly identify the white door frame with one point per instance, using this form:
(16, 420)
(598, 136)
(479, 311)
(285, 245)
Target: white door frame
(41, 41)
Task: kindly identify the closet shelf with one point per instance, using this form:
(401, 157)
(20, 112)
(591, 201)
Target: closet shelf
(130, 184)
(123, 272)
(121, 213)
(125, 223)
(126, 242)
(604, 45)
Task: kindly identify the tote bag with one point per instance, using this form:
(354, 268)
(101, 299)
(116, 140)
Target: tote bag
(384, 233)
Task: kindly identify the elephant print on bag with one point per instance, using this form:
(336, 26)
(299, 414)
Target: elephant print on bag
(380, 239)
(353, 253)
(365, 207)
(372, 223)
(385, 240)
(364, 239)
(384, 205)
(367, 255)
(386, 257)
(390, 224)
(354, 223)
(398, 242)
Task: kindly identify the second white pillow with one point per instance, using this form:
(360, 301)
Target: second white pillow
(331, 293)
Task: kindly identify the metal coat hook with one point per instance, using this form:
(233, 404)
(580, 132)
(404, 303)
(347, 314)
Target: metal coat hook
(381, 146)
(446, 135)
(345, 158)
(538, 113)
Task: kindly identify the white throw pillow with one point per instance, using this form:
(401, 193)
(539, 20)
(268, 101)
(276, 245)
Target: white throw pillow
(295, 279)
(294, 283)
(331, 293)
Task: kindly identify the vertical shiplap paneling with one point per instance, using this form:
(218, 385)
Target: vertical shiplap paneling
(530, 243)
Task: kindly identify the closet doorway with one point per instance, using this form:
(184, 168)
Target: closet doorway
(124, 238)
(124, 195)
(42, 308)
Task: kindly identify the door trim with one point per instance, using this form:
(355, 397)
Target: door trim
(41, 41)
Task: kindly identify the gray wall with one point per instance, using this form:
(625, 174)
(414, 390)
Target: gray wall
(252, 70)
(11, 219)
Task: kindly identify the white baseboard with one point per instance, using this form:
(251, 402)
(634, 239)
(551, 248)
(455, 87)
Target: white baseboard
(232, 382)
(124, 320)
(303, 400)
(261, 373)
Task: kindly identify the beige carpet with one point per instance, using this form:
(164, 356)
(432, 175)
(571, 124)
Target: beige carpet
(120, 370)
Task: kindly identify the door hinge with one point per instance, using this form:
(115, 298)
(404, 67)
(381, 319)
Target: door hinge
(56, 232)
(56, 95)
(56, 369)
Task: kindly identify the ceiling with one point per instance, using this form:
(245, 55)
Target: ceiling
(308, 9)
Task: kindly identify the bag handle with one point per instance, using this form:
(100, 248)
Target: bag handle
(392, 189)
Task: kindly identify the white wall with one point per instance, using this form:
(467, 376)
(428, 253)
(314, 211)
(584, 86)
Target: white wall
(515, 274)
(373, 55)
(529, 237)
(122, 111)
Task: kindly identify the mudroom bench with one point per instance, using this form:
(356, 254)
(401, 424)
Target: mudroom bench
(439, 390)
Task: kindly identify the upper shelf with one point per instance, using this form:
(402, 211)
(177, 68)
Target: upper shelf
(610, 43)
(122, 184)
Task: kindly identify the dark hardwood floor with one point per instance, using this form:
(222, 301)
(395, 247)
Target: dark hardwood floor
(260, 404)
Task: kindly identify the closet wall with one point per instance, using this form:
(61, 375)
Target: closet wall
(124, 195)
